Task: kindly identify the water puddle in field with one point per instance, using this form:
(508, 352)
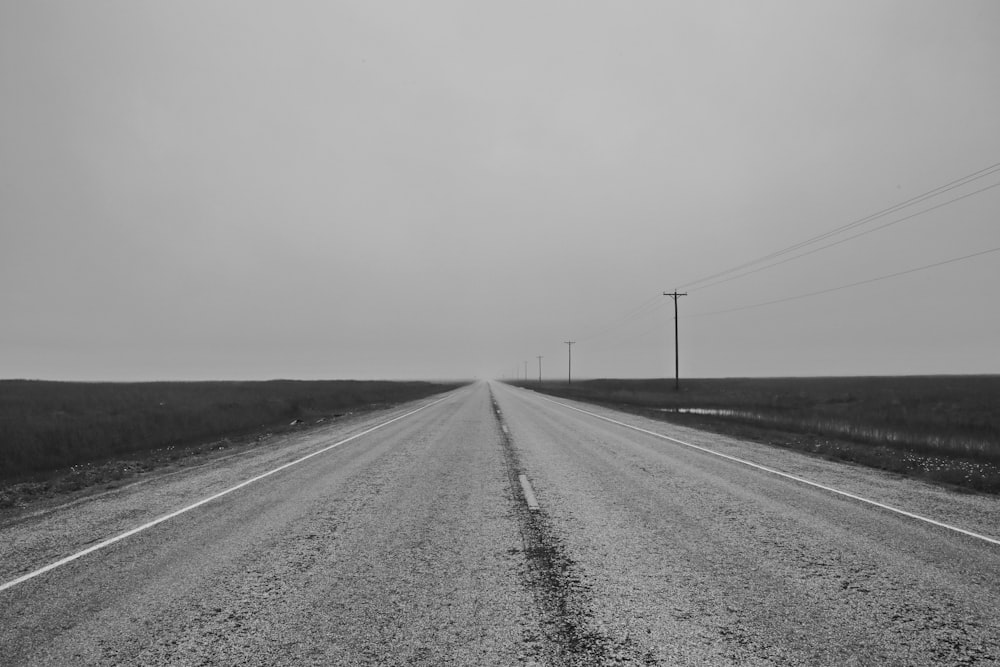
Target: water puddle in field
(715, 412)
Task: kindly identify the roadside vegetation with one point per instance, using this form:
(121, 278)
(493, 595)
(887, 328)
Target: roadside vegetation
(45, 426)
(943, 428)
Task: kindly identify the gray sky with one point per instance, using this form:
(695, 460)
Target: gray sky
(250, 190)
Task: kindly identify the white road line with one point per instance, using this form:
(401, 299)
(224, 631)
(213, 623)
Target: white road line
(167, 517)
(801, 480)
(529, 493)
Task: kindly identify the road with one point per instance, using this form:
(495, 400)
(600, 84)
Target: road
(412, 544)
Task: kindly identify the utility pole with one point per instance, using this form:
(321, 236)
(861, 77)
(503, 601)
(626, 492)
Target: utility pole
(677, 359)
(569, 375)
(539, 369)
(525, 371)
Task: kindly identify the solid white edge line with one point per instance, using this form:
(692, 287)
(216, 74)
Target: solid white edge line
(167, 517)
(801, 480)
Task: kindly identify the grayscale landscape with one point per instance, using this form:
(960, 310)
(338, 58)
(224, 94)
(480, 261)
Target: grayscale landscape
(452, 333)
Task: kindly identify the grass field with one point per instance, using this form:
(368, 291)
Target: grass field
(50, 425)
(945, 428)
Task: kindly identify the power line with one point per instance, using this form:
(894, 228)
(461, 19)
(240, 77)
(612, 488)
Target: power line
(855, 284)
(629, 330)
(640, 310)
(614, 328)
(632, 336)
(845, 240)
(982, 173)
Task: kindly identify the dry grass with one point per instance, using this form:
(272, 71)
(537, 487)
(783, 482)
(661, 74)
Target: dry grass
(51, 425)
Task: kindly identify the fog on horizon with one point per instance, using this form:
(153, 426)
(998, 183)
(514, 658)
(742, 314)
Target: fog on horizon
(251, 190)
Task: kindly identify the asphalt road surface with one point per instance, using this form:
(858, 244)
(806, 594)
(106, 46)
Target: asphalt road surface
(412, 544)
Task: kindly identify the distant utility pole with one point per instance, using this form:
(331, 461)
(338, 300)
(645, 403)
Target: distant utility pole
(677, 359)
(569, 375)
(539, 369)
(525, 371)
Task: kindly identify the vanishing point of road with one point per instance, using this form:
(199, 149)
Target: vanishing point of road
(495, 526)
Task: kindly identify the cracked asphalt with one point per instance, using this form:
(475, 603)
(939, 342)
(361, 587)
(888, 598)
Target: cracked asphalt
(412, 545)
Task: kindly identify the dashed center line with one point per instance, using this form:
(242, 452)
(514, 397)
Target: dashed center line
(529, 493)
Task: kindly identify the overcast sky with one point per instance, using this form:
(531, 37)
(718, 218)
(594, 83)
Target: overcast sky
(252, 190)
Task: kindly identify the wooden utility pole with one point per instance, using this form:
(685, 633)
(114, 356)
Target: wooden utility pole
(539, 369)
(677, 358)
(569, 375)
(525, 371)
